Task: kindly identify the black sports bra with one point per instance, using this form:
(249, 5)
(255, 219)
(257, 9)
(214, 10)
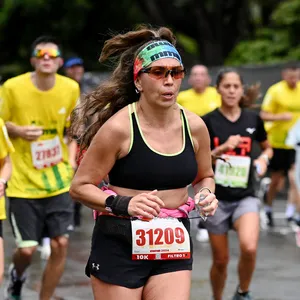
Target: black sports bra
(144, 168)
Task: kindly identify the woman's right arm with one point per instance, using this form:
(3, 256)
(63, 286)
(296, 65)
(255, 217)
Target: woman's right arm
(111, 142)
(97, 162)
(231, 143)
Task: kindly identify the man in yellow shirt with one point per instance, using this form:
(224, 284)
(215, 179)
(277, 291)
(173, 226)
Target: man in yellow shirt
(36, 107)
(201, 98)
(281, 107)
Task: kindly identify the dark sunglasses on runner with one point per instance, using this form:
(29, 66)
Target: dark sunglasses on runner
(159, 72)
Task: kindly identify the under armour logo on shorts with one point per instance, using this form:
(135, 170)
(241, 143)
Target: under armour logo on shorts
(96, 266)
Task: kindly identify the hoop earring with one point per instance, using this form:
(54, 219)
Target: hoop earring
(137, 91)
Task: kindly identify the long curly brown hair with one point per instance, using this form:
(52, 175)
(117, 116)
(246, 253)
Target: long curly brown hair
(119, 90)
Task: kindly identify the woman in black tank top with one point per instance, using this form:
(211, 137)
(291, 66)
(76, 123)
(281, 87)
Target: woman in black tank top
(233, 131)
(152, 149)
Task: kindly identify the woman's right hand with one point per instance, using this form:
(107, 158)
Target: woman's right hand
(233, 141)
(147, 205)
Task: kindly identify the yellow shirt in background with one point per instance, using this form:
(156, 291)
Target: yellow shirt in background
(281, 99)
(6, 148)
(41, 168)
(200, 104)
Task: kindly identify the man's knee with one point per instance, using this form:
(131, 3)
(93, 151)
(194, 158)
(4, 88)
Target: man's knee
(59, 243)
(27, 252)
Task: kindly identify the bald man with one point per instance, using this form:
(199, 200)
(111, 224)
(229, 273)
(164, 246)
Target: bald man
(201, 98)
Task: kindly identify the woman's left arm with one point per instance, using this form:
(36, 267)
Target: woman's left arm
(203, 184)
(262, 161)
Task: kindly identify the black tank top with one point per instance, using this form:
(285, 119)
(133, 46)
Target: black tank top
(146, 169)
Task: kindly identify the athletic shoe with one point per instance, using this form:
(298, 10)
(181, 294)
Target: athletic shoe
(13, 290)
(297, 236)
(202, 236)
(245, 296)
(270, 220)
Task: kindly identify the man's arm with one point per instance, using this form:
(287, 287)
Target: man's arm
(13, 130)
(269, 108)
(29, 133)
(268, 116)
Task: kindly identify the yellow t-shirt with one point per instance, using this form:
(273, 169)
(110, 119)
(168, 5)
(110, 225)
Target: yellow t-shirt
(41, 168)
(6, 148)
(281, 99)
(200, 104)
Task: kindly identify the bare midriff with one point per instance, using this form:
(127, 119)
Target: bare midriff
(172, 198)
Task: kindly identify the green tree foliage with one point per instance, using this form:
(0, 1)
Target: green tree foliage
(208, 31)
(275, 42)
(80, 25)
(215, 26)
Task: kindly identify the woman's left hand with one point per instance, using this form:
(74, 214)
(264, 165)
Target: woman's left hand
(261, 166)
(209, 205)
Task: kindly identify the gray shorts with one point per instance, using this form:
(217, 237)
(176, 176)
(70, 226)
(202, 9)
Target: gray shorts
(228, 212)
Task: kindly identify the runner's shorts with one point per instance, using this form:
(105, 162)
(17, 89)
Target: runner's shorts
(282, 160)
(110, 258)
(32, 219)
(228, 212)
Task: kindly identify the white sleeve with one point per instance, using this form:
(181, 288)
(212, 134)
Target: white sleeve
(293, 137)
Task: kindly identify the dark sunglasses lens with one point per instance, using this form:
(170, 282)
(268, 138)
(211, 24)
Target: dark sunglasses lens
(157, 72)
(162, 72)
(178, 72)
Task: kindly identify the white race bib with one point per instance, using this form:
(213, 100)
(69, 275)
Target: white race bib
(233, 174)
(46, 153)
(160, 239)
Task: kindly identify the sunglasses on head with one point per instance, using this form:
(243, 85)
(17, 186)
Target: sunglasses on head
(159, 72)
(52, 53)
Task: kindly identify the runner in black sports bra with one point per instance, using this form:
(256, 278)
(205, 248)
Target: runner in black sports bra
(142, 226)
(143, 168)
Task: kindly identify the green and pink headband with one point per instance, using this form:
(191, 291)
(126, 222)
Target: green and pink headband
(154, 51)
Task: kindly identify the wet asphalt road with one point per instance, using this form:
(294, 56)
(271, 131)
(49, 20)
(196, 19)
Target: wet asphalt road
(277, 275)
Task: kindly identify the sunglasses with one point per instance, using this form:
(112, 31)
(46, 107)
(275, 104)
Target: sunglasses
(52, 53)
(159, 72)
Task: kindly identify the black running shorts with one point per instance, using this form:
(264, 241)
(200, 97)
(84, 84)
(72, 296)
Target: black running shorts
(32, 219)
(282, 160)
(110, 258)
